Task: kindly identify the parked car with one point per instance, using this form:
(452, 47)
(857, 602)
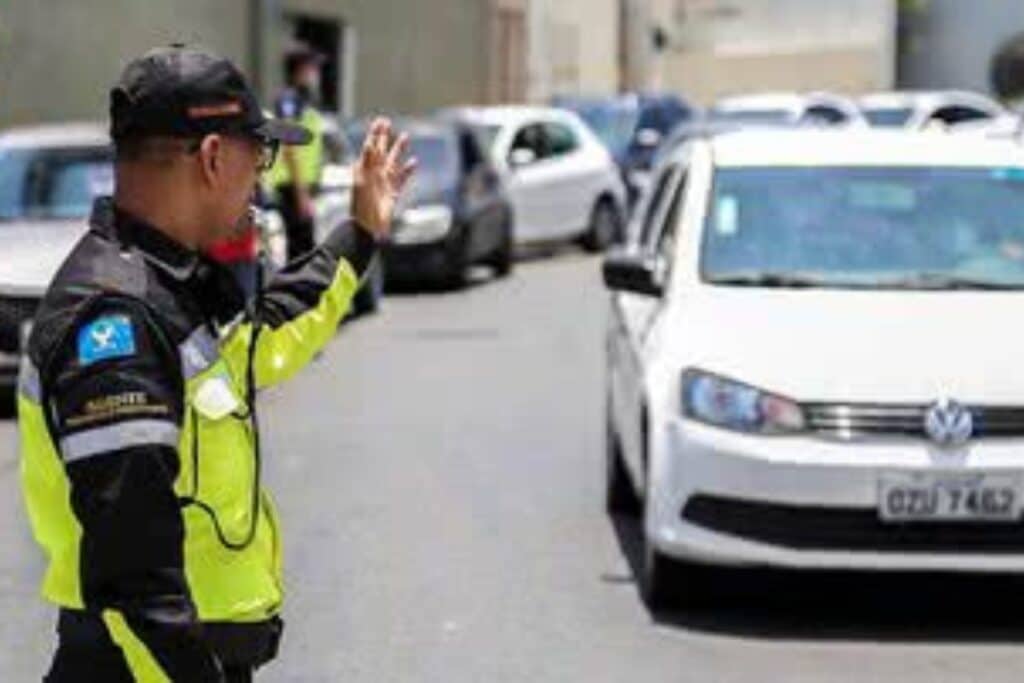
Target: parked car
(921, 109)
(701, 128)
(455, 212)
(49, 176)
(631, 126)
(562, 181)
(807, 109)
(809, 363)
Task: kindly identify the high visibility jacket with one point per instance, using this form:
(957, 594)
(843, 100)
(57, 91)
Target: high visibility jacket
(138, 441)
(309, 158)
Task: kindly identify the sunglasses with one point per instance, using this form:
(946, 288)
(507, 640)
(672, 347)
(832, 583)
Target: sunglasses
(268, 149)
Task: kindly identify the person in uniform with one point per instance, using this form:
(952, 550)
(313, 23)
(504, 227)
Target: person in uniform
(140, 455)
(295, 178)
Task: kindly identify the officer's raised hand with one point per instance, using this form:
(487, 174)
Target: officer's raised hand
(380, 174)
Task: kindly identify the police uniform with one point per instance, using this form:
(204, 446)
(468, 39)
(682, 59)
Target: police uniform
(140, 461)
(309, 159)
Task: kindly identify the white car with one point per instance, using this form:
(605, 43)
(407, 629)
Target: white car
(49, 176)
(788, 108)
(562, 181)
(916, 110)
(814, 359)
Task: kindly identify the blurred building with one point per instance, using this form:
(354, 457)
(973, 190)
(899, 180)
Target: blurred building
(950, 43)
(573, 48)
(710, 48)
(60, 56)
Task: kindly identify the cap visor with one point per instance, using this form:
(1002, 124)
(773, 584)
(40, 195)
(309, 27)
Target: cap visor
(285, 132)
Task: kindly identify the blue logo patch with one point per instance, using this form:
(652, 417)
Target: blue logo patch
(111, 336)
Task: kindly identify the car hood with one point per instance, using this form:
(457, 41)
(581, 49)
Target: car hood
(33, 251)
(855, 346)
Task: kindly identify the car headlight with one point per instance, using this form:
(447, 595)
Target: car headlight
(422, 224)
(724, 403)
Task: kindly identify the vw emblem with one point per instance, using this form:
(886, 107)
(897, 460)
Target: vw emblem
(948, 423)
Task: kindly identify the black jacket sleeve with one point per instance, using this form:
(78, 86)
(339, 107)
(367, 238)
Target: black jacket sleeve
(116, 412)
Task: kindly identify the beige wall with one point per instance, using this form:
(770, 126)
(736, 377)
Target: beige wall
(717, 47)
(413, 56)
(706, 77)
(58, 58)
(573, 47)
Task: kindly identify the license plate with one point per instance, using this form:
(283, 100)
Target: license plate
(932, 497)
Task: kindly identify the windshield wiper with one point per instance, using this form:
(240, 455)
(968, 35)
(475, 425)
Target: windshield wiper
(767, 279)
(928, 280)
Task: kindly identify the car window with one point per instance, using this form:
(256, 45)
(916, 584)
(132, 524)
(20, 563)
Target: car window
(888, 117)
(652, 202)
(561, 139)
(957, 114)
(471, 156)
(53, 183)
(823, 114)
(533, 138)
(436, 156)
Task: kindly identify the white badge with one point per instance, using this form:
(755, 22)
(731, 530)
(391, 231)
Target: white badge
(215, 398)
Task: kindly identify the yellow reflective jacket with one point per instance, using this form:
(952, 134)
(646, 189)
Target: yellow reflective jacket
(138, 441)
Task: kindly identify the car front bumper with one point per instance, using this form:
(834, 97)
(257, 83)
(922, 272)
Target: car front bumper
(807, 503)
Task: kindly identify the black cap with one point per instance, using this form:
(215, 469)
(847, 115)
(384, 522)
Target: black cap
(182, 91)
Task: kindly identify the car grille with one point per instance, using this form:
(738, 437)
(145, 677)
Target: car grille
(846, 529)
(851, 421)
(14, 311)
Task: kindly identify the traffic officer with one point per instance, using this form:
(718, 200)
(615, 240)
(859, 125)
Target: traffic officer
(295, 178)
(139, 440)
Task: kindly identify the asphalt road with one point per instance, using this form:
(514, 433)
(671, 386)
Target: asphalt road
(439, 471)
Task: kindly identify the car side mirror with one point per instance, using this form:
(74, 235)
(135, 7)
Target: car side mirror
(522, 156)
(630, 271)
(648, 137)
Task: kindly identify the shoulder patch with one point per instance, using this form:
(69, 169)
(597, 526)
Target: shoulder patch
(110, 336)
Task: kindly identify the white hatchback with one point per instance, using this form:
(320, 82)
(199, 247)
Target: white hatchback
(814, 356)
(562, 182)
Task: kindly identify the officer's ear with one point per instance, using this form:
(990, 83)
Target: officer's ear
(211, 161)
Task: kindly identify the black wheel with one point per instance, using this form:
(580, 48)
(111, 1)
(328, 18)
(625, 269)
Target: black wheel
(666, 583)
(619, 497)
(504, 258)
(604, 226)
(456, 261)
(367, 299)
(8, 402)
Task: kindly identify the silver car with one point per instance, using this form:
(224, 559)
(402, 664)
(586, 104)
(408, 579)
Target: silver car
(49, 176)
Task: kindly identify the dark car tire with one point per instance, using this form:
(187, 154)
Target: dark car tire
(456, 260)
(8, 402)
(368, 298)
(605, 226)
(504, 258)
(667, 583)
(620, 497)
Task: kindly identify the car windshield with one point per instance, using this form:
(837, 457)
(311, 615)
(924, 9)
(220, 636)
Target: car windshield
(750, 115)
(914, 228)
(435, 156)
(613, 123)
(52, 183)
(888, 117)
